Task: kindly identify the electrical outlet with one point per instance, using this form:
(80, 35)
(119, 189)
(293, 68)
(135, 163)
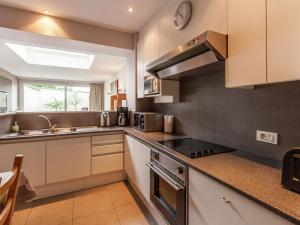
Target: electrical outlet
(267, 137)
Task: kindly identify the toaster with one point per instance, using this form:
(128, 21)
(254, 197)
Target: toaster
(291, 170)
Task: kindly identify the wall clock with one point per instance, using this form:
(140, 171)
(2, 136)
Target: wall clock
(183, 15)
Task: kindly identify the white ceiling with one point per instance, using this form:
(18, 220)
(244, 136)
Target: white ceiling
(107, 62)
(109, 13)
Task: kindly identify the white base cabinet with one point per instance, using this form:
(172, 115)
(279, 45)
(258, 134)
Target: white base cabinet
(34, 160)
(136, 157)
(68, 159)
(211, 203)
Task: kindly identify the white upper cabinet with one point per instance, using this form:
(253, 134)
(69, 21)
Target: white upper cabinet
(246, 63)
(140, 69)
(283, 40)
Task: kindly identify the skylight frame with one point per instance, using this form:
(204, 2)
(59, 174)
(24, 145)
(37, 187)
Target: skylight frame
(52, 57)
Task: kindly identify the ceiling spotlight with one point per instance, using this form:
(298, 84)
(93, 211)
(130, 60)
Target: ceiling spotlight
(46, 12)
(130, 9)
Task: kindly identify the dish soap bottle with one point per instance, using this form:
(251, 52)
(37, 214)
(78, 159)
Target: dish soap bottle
(15, 128)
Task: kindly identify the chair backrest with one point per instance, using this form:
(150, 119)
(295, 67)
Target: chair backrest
(11, 188)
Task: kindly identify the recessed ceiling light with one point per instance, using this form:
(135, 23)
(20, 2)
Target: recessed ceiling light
(46, 12)
(130, 9)
(52, 57)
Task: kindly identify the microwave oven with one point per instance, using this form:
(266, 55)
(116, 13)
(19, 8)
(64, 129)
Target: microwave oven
(151, 85)
(147, 122)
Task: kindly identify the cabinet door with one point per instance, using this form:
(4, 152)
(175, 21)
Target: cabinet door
(136, 157)
(107, 163)
(147, 52)
(140, 69)
(206, 205)
(142, 157)
(129, 146)
(246, 63)
(34, 160)
(68, 159)
(283, 18)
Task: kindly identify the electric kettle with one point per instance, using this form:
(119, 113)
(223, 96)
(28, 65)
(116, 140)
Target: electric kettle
(104, 120)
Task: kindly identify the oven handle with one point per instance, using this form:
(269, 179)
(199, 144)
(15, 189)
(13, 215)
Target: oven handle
(159, 172)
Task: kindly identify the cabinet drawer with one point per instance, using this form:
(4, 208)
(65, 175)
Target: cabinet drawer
(107, 149)
(107, 139)
(107, 163)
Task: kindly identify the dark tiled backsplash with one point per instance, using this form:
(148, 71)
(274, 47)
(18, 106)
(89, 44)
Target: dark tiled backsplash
(231, 117)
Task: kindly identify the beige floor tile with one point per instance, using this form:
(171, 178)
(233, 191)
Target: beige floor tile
(131, 215)
(106, 217)
(119, 194)
(53, 211)
(91, 201)
(20, 217)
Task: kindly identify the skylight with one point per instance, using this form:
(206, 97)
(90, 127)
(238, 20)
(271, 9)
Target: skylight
(52, 57)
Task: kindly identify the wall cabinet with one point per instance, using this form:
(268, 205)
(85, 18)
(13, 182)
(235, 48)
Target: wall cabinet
(247, 46)
(140, 69)
(34, 160)
(68, 159)
(208, 205)
(283, 40)
(137, 155)
(263, 48)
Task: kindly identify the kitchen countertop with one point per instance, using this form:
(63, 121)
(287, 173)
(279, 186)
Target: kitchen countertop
(80, 132)
(257, 181)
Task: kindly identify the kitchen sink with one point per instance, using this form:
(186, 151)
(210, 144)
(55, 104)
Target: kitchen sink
(46, 131)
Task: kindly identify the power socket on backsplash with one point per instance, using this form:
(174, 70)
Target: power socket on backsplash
(267, 137)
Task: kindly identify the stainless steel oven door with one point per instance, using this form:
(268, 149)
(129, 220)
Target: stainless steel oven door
(168, 196)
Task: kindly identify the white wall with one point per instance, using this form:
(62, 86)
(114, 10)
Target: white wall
(13, 96)
(126, 79)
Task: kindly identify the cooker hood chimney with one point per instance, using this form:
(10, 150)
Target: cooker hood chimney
(204, 54)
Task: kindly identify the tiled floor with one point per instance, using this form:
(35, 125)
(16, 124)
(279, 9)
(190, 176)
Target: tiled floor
(107, 205)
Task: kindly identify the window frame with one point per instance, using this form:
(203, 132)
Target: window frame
(66, 84)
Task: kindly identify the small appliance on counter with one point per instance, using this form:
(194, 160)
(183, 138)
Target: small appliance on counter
(147, 122)
(291, 170)
(122, 116)
(168, 123)
(105, 120)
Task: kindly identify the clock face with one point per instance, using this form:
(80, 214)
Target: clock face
(183, 15)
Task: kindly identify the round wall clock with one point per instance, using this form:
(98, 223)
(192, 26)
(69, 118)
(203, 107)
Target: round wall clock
(183, 15)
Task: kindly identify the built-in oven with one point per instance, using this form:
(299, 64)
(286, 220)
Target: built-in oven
(168, 187)
(151, 85)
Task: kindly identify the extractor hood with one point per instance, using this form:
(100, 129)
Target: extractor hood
(204, 54)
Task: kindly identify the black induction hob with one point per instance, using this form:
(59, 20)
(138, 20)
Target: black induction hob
(195, 148)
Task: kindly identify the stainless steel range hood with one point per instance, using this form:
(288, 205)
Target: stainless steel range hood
(204, 54)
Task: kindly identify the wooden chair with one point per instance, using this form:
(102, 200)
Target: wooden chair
(11, 188)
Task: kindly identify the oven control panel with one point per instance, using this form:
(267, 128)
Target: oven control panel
(170, 166)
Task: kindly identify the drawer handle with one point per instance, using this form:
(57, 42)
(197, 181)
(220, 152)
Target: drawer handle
(225, 200)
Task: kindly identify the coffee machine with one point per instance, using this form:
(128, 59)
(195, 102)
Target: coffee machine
(122, 116)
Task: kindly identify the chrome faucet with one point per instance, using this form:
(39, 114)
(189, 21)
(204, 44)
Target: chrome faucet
(51, 127)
